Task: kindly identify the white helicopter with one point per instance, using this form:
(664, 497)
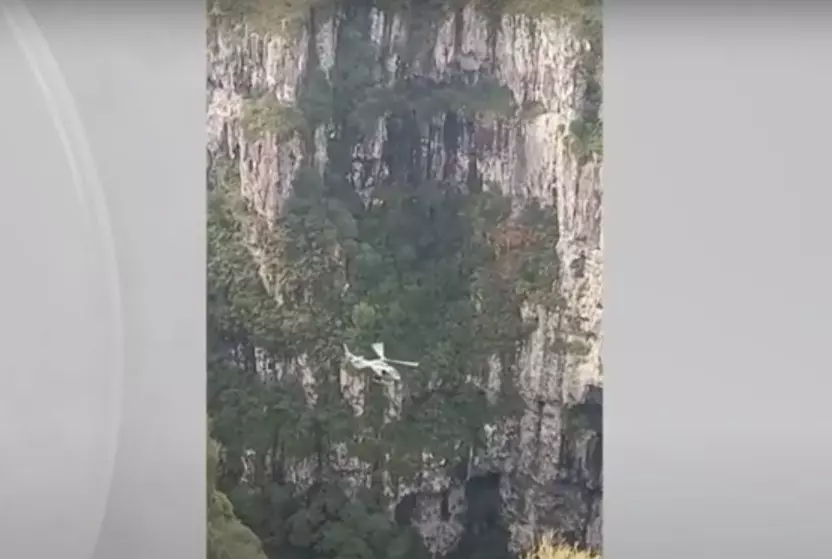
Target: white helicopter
(382, 367)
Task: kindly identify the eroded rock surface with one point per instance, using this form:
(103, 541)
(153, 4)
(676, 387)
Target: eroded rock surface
(547, 468)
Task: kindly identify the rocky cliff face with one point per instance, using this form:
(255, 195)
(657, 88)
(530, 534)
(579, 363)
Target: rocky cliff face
(546, 468)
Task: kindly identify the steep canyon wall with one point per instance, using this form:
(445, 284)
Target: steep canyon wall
(548, 464)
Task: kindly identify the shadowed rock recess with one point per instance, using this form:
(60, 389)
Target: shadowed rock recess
(339, 135)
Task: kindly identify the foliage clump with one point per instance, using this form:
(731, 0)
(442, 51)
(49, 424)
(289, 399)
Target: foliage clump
(264, 16)
(549, 548)
(572, 10)
(267, 114)
(587, 137)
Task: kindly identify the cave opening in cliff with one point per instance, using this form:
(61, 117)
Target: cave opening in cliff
(485, 529)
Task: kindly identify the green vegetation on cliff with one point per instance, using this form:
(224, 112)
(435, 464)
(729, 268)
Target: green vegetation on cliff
(228, 538)
(398, 250)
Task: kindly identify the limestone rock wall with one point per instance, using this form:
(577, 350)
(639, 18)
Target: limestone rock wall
(550, 470)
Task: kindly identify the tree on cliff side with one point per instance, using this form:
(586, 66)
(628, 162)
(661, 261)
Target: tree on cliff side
(228, 538)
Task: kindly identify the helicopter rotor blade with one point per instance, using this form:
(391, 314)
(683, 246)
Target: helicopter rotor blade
(404, 363)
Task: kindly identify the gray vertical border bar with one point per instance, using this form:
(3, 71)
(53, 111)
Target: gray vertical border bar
(717, 297)
(102, 301)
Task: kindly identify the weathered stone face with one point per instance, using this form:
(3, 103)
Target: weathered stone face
(550, 470)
